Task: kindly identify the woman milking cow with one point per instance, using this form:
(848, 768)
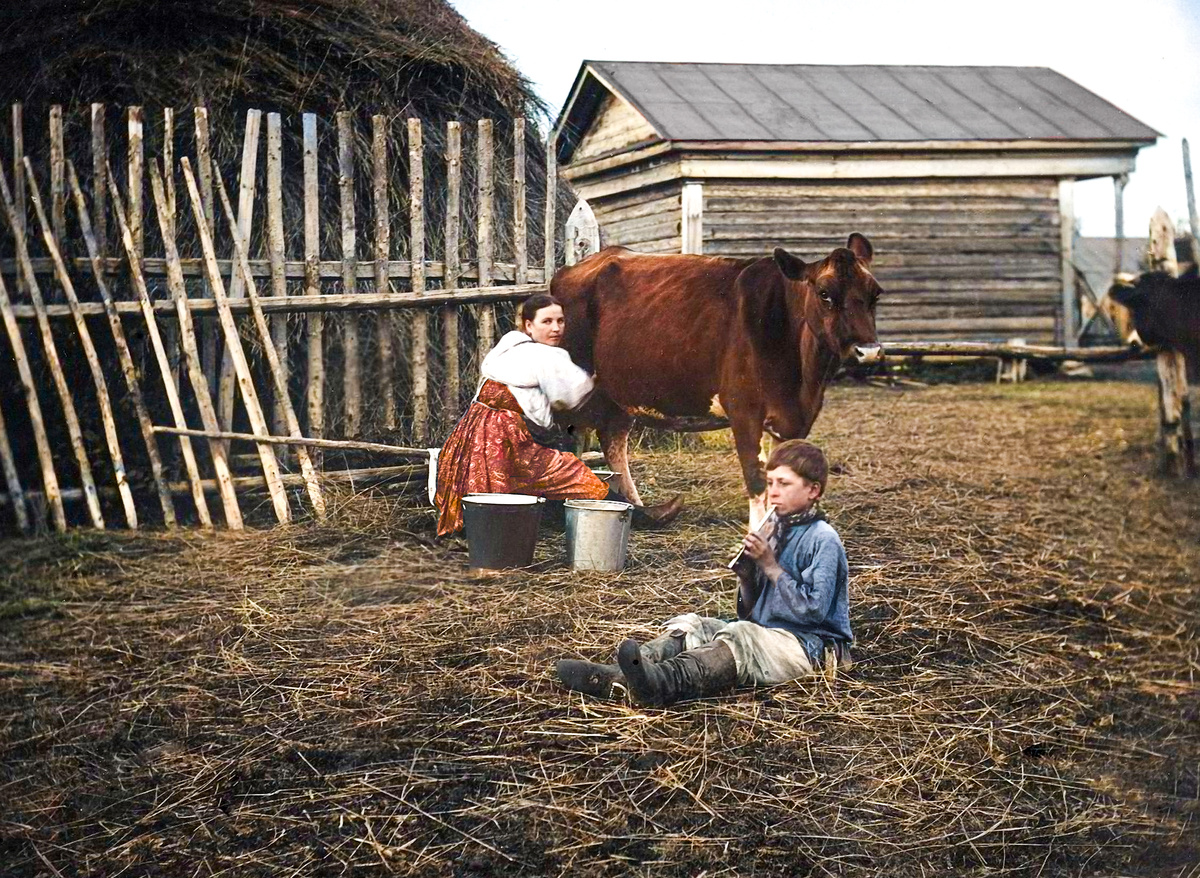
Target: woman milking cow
(507, 442)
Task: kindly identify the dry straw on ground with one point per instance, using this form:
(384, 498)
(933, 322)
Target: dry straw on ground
(310, 700)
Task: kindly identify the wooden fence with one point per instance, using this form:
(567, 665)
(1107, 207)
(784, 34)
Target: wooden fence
(143, 296)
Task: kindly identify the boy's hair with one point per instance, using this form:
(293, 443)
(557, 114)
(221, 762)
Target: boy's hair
(535, 303)
(803, 458)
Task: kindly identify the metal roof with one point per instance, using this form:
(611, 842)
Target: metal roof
(810, 103)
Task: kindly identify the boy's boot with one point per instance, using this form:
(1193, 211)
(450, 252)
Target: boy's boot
(706, 670)
(592, 678)
(650, 517)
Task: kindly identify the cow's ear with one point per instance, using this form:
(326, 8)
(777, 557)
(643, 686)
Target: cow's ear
(860, 247)
(791, 266)
(1126, 290)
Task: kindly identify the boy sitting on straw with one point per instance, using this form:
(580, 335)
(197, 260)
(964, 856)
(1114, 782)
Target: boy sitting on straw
(793, 606)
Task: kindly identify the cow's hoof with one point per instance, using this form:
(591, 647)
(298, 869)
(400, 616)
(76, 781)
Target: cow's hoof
(660, 515)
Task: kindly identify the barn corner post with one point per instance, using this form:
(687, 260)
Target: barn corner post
(581, 233)
(1176, 449)
(1066, 219)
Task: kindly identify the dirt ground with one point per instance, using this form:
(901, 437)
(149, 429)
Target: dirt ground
(312, 700)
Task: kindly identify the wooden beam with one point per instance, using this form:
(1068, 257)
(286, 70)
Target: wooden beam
(351, 371)
(1176, 444)
(315, 379)
(386, 327)
(1066, 219)
(452, 267)
(419, 338)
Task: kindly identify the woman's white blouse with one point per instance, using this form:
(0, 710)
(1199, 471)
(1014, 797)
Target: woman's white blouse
(542, 378)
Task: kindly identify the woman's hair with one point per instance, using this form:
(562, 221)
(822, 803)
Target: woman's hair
(803, 458)
(535, 303)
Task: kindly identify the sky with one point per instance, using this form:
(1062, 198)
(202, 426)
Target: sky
(1143, 57)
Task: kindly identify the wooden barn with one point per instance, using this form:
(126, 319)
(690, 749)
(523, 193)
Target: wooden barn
(961, 176)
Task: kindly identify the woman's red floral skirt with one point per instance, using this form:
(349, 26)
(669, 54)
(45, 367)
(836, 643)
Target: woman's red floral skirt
(492, 452)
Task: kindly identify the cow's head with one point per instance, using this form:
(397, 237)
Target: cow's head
(1146, 297)
(835, 298)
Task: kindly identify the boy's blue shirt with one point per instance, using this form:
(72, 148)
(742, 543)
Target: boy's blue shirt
(811, 597)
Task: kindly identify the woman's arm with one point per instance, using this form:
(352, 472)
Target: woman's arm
(565, 384)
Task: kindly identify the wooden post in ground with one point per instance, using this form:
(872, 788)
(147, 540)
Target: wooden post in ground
(351, 375)
(420, 317)
(103, 400)
(486, 192)
(1193, 219)
(99, 180)
(125, 358)
(12, 480)
(453, 267)
(276, 256)
(551, 195)
(233, 346)
(1176, 446)
(519, 234)
(207, 331)
(242, 232)
(58, 180)
(315, 323)
(386, 325)
(52, 359)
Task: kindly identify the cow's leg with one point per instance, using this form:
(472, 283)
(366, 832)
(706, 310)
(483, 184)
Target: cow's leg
(748, 438)
(758, 502)
(614, 439)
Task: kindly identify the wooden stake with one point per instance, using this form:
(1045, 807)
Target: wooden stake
(52, 360)
(486, 191)
(452, 266)
(420, 319)
(278, 375)
(208, 342)
(18, 136)
(171, 330)
(133, 202)
(99, 179)
(45, 454)
(1193, 220)
(124, 356)
(352, 383)
(16, 494)
(550, 230)
(242, 233)
(521, 256)
(275, 253)
(387, 325)
(234, 347)
(89, 349)
(303, 442)
(196, 374)
(58, 187)
(312, 280)
(1177, 452)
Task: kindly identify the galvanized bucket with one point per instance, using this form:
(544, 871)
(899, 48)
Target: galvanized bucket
(598, 534)
(501, 529)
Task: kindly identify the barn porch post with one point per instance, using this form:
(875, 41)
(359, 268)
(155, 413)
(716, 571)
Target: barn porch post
(1119, 183)
(691, 227)
(1066, 219)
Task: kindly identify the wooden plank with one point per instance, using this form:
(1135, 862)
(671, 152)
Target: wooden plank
(16, 493)
(99, 179)
(691, 213)
(89, 352)
(168, 164)
(351, 374)
(1066, 208)
(278, 374)
(41, 441)
(201, 388)
(386, 327)
(276, 257)
(245, 219)
(1176, 444)
(18, 141)
(452, 267)
(1193, 218)
(303, 442)
(486, 195)
(420, 320)
(209, 342)
(233, 345)
(125, 358)
(550, 230)
(312, 280)
(520, 256)
(52, 360)
(58, 187)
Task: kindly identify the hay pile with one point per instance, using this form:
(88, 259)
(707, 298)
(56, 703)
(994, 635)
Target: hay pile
(314, 699)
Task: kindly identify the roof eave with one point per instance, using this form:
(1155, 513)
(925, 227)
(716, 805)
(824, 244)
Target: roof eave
(578, 111)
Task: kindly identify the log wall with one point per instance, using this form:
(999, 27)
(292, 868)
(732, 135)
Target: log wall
(648, 220)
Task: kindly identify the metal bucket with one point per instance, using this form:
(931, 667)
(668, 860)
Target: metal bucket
(501, 529)
(598, 534)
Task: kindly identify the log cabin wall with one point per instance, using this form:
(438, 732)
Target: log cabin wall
(962, 259)
(646, 220)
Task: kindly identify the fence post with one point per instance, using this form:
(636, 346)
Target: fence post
(582, 233)
(1176, 449)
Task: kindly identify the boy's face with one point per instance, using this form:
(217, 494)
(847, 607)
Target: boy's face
(789, 492)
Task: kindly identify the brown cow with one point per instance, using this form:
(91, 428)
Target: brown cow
(753, 340)
(1166, 311)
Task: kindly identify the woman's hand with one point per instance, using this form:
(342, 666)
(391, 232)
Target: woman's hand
(760, 550)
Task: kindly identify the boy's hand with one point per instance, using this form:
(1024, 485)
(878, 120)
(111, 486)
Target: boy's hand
(760, 550)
